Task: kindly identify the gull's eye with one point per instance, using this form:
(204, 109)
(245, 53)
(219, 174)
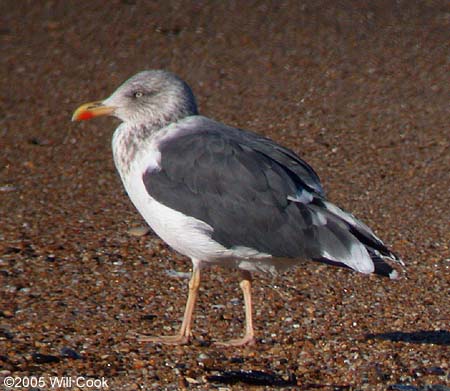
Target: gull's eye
(138, 94)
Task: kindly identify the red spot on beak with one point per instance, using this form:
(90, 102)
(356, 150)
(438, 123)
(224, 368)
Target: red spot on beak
(85, 115)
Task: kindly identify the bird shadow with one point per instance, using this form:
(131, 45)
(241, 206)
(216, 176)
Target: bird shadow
(437, 337)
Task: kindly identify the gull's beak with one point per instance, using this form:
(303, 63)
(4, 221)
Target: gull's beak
(91, 110)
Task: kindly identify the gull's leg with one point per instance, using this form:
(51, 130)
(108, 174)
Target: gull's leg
(185, 331)
(248, 338)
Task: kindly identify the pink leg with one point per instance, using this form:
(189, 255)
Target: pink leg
(183, 336)
(248, 338)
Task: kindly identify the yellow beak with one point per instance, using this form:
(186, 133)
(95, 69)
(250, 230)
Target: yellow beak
(91, 110)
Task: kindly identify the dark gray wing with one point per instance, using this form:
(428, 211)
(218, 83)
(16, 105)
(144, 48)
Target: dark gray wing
(253, 193)
(240, 192)
(286, 157)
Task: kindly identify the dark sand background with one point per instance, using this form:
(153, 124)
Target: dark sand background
(359, 88)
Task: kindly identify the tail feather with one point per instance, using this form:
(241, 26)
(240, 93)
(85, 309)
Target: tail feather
(382, 267)
(381, 256)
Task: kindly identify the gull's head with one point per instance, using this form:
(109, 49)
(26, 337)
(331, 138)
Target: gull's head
(149, 98)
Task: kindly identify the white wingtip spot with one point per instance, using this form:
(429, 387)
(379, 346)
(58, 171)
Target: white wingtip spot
(393, 275)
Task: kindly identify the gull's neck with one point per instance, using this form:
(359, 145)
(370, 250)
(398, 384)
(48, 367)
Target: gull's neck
(133, 142)
(128, 140)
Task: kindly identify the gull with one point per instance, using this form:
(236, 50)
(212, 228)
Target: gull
(225, 196)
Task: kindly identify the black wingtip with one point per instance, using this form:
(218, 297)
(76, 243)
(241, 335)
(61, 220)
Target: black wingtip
(381, 263)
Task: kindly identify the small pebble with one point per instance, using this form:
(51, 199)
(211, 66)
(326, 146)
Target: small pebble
(139, 231)
(176, 274)
(39, 141)
(40, 358)
(202, 356)
(148, 317)
(70, 353)
(7, 188)
(5, 333)
(6, 314)
(190, 380)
